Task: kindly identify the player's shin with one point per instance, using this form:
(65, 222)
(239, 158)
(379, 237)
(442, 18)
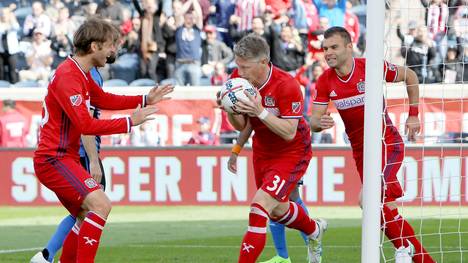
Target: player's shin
(57, 240)
(420, 253)
(70, 245)
(89, 237)
(297, 218)
(255, 237)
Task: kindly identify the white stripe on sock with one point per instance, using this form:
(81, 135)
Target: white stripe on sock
(295, 212)
(258, 230)
(93, 223)
(258, 211)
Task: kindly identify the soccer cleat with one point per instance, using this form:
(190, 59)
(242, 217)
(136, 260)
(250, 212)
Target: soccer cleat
(314, 249)
(404, 254)
(277, 259)
(38, 258)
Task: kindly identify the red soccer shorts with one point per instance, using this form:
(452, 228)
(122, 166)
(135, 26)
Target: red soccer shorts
(279, 176)
(67, 179)
(392, 157)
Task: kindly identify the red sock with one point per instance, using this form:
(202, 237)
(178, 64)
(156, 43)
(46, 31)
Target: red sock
(391, 223)
(70, 246)
(255, 238)
(420, 254)
(296, 217)
(88, 239)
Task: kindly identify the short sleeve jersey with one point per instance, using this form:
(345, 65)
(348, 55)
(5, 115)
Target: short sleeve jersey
(347, 93)
(282, 97)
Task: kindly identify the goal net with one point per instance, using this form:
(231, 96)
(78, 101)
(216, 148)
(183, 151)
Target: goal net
(431, 38)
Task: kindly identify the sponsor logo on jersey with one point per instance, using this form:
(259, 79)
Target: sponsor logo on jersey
(333, 94)
(391, 66)
(350, 102)
(296, 107)
(90, 183)
(361, 86)
(269, 101)
(76, 100)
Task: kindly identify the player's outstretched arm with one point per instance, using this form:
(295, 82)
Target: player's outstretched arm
(320, 118)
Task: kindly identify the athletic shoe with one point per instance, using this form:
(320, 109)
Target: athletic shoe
(404, 254)
(38, 258)
(314, 248)
(277, 259)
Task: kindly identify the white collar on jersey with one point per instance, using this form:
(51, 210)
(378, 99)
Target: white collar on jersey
(350, 74)
(269, 77)
(78, 66)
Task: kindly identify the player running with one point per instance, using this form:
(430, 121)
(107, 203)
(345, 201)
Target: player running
(344, 84)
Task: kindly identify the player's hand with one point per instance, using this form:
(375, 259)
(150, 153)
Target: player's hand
(95, 171)
(326, 121)
(141, 115)
(232, 163)
(412, 127)
(252, 107)
(158, 94)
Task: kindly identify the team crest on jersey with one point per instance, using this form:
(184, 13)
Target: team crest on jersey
(361, 86)
(76, 100)
(296, 107)
(90, 183)
(269, 101)
(391, 66)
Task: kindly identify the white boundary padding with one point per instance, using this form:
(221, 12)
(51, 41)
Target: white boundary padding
(370, 247)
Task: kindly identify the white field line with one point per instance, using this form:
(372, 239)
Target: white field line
(11, 251)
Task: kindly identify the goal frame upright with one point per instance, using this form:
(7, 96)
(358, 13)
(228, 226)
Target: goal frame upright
(373, 110)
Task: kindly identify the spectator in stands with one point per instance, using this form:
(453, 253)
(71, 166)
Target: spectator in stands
(222, 11)
(408, 38)
(112, 10)
(62, 46)
(351, 23)
(437, 19)
(203, 136)
(169, 57)
(305, 18)
(52, 10)
(333, 10)
(219, 76)
(258, 27)
(86, 9)
(151, 38)
(245, 11)
(188, 43)
(460, 23)
(287, 52)
(39, 58)
(37, 20)
(64, 25)
(214, 51)
(13, 126)
(419, 55)
(144, 136)
(316, 38)
(9, 45)
(452, 62)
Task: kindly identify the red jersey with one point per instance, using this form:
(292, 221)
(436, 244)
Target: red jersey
(13, 129)
(282, 97)
(65, 112)
(347, 93)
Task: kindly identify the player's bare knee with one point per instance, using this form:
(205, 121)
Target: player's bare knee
(98, 202)
(392, 205)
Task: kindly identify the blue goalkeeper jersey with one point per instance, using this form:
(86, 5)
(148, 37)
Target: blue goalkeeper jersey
(98, 79)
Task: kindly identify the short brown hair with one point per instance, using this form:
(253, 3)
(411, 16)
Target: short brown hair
(337, 30)
(93, 30)
(252, 46)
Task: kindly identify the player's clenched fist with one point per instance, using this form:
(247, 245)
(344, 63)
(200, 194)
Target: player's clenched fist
(326, 121)
(141, 115)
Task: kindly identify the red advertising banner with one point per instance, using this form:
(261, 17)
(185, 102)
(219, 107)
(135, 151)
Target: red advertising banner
(199, 176)
(175, 122)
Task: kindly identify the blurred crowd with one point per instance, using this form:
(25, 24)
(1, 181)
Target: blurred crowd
(189, 42)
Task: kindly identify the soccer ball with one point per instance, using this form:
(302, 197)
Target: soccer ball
(233, 90)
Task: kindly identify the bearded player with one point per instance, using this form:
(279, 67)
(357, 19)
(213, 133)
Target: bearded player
(343, 83)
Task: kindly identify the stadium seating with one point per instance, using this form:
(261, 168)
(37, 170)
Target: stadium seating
(115, 83)
(143, 82)
(4, 84)
(27, 84)
(168, 81)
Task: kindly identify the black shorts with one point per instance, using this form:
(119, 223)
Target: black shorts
(85, 163)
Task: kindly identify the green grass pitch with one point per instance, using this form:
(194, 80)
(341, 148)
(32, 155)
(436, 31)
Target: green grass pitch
(213, 234)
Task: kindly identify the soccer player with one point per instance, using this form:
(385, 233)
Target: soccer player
(89, 159)
(277, 229)
(281, 147)
(66, 116)
(343, 83)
